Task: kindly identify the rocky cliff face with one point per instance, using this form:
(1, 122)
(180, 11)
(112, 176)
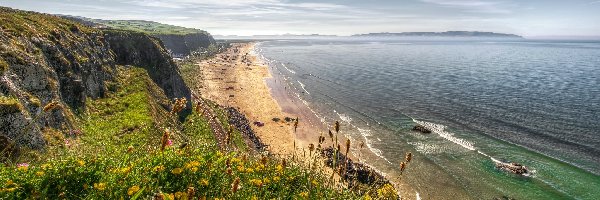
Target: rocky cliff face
(139, 49)
(46, 59)
(183, 45)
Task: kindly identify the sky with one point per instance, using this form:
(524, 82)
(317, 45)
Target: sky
(530, 18)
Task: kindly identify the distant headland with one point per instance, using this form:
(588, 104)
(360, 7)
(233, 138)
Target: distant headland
(440, 34)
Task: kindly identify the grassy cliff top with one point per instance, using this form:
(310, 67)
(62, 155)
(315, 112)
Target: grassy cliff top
(149, 27)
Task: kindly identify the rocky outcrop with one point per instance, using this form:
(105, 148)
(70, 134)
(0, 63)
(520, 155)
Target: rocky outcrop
(183, 45)
(44, 59)
(352, 172)
(48, 59)
(421, 129)
(140, 49)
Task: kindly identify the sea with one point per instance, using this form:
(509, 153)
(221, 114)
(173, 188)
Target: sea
(532, 102)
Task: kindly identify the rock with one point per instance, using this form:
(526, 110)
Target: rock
(421, 129)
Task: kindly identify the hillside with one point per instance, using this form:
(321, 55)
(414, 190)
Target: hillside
(105, 114)
(180, 41)
(441, 34)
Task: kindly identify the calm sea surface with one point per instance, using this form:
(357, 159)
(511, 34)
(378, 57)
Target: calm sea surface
(532, 102)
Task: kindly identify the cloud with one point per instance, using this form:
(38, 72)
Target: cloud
(474, 6)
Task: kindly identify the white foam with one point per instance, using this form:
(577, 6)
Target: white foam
(418, 196)
(291, 71)
(365, 133)
(302, 86)
(440, 130)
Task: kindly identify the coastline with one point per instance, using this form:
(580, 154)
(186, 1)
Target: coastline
(238, 78)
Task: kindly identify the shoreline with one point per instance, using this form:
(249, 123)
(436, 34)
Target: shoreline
(253, 87)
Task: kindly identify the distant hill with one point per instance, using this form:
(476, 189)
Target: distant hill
(441, 34)
(180, 41)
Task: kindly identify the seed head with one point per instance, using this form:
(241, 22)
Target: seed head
(336, 126)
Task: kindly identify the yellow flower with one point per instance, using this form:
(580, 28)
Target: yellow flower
(179, 195)
(240, 168)
(169, 196)
(256, 182)
(266, 181)
(125, 170)
(159, 168)
(387, 192)
(304, 194)
(10, 189)
(100, 186)
(45, 166)
(39, 173)
(177, 171)
(276, 179)
(367, 197)
(81, 163)
(133, 189)
(204, 182)
(279, 168)
(194, 169)
(314, 182)
(254, 198)
(249, 170)
(192, 164)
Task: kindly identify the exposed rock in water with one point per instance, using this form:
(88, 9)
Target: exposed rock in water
(421, 129)
(354, 171)
(515, 168)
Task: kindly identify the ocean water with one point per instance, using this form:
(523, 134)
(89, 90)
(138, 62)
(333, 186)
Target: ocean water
(532, 102)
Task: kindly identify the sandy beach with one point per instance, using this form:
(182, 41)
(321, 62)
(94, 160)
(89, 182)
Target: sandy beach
(236, 78)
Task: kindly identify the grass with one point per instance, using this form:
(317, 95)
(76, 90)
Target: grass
(9, 105)
(149, 27)
(116, 154)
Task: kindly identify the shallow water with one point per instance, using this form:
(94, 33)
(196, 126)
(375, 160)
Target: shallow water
(531, 102)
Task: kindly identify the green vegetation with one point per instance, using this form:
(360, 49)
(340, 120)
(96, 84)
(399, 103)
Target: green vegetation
(3, 66)
(149, 27)
(9, 105)
(117, 154)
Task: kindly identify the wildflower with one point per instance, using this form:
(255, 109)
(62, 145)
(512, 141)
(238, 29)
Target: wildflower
(129, 149)
(235, 185)
(266, 180)
(204, 182)
(256, 182)
(45, 166)
(181, 195)
(169, 142)
(133, 189)
(23, 166)
(39, 173)
(158, 168)
(81, 163)
(240, 168)
(347, 146)
(177, 171)
(192, 164)
(402, 167)
(314, 182)
(165, 140)
(254, 198)
(387, 192)
(279, 168)
(100, 186)
(125, 170)
(191, 192)
(194, 169)
(276, 179)
(304, 194)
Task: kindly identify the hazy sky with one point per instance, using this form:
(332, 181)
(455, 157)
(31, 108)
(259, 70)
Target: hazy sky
(343, 17)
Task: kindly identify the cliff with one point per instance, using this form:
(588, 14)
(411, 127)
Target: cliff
(45, 59)
(139, 49)
(180, 41)
(182, 45)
